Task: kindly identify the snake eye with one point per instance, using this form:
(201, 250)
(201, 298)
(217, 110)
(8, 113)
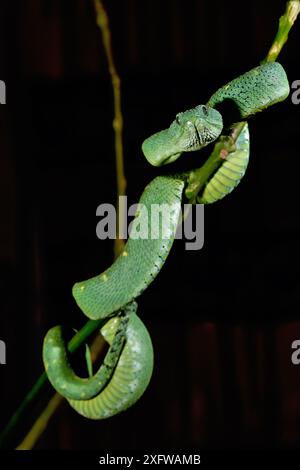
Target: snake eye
(205, 110)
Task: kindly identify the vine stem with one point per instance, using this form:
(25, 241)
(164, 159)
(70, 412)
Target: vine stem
(41, 423)
(285, 23)
(73, 345)
(52, 406)
(103, 23)
(223, 146)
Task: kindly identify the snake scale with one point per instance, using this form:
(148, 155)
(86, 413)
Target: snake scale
(128, 364)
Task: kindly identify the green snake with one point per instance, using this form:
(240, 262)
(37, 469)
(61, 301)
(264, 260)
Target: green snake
(127, 367)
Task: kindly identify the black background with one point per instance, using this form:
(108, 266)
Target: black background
(222, 319)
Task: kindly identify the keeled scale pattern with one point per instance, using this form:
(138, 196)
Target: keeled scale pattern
(131, 377)
(255, 90)
(141, 259)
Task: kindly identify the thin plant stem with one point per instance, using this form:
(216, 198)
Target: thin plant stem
(103, 23)
(53, 405)
(286, 21)
(74, 344)
(41, 423)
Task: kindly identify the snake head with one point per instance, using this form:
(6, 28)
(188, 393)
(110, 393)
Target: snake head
(191, 130)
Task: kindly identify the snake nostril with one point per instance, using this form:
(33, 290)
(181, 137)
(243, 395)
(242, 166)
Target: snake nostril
(178, 118)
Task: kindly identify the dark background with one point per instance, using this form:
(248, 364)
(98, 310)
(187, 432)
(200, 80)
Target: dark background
(222, 319)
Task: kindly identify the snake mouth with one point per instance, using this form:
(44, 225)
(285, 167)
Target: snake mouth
(172, 158)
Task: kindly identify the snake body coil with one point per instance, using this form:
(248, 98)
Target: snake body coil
(131, 376)
(62, 376)
(230, 173)
(130, 358)
(256, 90)
(143, 256)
